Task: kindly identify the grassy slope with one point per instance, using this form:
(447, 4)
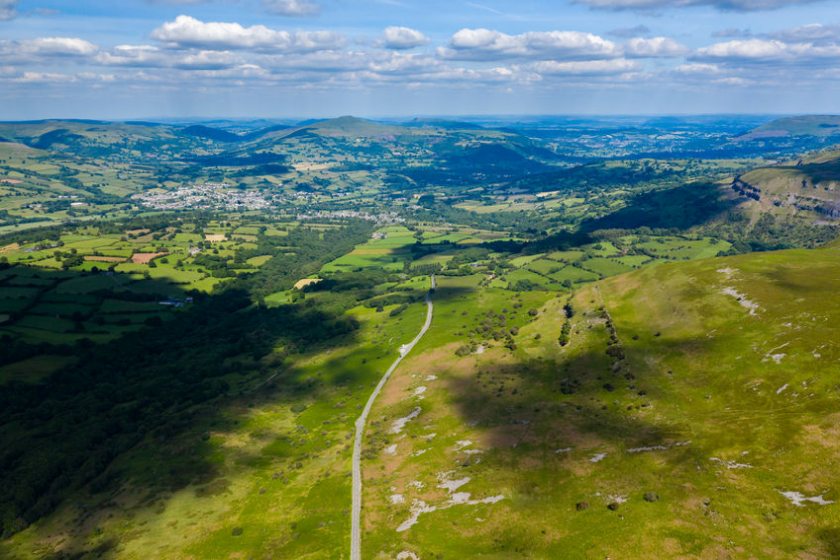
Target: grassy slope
(815, 125)
(280, 470)
(744, 405)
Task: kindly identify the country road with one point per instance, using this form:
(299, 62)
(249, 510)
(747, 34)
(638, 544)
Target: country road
(356, 514)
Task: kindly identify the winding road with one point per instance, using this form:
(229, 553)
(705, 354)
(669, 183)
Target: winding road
(356, 514)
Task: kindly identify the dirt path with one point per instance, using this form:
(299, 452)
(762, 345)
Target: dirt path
(356, 513)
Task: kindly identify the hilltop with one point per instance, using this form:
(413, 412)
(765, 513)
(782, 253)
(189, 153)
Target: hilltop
(807, 125)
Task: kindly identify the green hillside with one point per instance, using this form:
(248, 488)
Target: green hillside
(805, 125)
(692, 414)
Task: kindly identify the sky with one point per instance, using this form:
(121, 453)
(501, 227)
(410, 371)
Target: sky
(131, 59)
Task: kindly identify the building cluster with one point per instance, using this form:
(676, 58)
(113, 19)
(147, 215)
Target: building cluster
(215, 196)
(381, 218)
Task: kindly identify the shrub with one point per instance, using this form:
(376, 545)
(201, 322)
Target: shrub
(464, 350)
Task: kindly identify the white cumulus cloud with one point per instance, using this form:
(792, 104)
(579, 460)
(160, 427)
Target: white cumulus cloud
(401, 38)
(189, 32)
(654, 47)
(767, 50)
(45, 49)
(58, 46)
(486, 44)
(698, 68)
(140, 56)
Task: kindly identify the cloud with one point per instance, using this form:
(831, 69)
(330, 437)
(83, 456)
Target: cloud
(586, 67)
(749, 49)
(292, 8)
(402, 38)
(31, 50)
(58, 46)
(188, 32)
(816, 33)
(723, 5)
(799, 54)
(141, 56)
(8, 9)
(41, 77)
(767, 50)
(208, 55)
(698, 68)
(57, 77)
(733, 81)
(325, 61)
(404, 63)
(148, 56)
(733, 33)
(628, 32)
(457, 77)
(655, 47)
(207, 60)
(488, 45)
(774, 61)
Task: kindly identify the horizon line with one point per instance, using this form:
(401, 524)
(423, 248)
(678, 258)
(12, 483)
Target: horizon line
(197, 118)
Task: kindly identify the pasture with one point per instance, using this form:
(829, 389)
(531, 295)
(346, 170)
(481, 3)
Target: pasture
(679, 417)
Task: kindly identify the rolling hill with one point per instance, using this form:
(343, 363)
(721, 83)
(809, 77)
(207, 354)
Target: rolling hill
(807, 125)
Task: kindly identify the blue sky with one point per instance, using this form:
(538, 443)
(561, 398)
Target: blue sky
(302, 58)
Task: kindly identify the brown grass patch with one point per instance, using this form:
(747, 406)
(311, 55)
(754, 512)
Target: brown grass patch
(826, 434)
(145, 258)
(436, 362)
(304, 282)
(215, 237)
(9, 248)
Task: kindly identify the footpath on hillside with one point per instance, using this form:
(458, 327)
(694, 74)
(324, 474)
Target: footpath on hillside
(356, 512)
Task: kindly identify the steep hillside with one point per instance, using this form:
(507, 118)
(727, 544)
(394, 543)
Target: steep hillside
(810, 185)
(689, 410)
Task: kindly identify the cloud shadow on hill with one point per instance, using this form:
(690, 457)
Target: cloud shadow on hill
(159, 388)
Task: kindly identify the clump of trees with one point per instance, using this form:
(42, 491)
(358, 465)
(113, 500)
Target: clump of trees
(566, 329)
